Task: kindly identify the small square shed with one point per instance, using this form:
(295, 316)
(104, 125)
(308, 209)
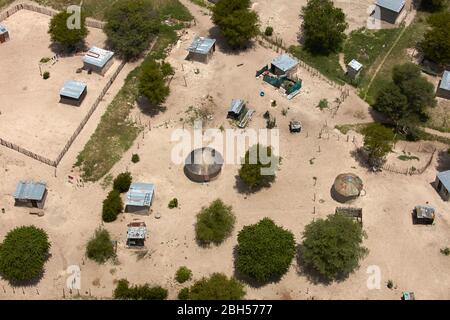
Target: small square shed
(139, 198)
(4, 34)
(390, 10)
(236, 108)
(443, 89)
(201, 49)
(30, 194)
(354, 69)
(136, 234)
(73, 92)
(284, 65)
(442, 184)
(98, 60)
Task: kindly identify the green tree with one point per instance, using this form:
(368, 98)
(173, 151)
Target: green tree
(152, 83)
(130, 26)
(112, 206)
(183, 274)
(124, 291)
(216, 287)
(259, 167)
(23, 253)
(392, 102)
(265, 250)
(323, 26)
(122, 182)
(214, 223)
(333, 246)
(69, 39)
(436, 42)
(378, 142)
(237, 22)
(100, 247)
(433, 5)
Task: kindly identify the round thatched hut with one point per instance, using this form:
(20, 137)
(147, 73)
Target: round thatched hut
(203, 164)
(346, 187)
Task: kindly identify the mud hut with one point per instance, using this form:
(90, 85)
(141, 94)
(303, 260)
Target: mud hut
(203, 164)
(346, 187)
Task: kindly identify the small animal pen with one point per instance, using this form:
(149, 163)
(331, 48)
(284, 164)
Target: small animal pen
(355, 213)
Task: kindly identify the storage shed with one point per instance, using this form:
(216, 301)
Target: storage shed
(236, 108)
(98, 60)
(73, 92)
(390, 10)
(30, 194)
(443, 89)
(136, 234)
(354, 69)
(284, 65)
(201, 49)
(4, 34)
(139, 198)
(442, 184)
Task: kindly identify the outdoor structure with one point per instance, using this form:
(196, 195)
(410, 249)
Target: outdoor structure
(284, 65)
(443, 89)
(203, 164)
(408, 296)
(442, 184)
(139, 198)
(98, 60)
(136, 234)
(424, 214)
(238, 111)
(4, 34)
(354, 69)
(295, 126)
(201, 49)
(30, 194)
(390, 10)
(73, 93)
(346, 187)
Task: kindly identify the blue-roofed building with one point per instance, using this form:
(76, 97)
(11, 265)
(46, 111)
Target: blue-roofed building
(73, 92)
(98, 60)
(32, 194)
(442, 184)
(139, 198)
(4, 34)
(284, 65)
(390, 10)
(443, 90)
(201, 49)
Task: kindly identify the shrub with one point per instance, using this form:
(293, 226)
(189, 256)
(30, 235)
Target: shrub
(122, 182)
(214, 223)
(269, 31)
(112, 206)
(332, 246)
(217, 287)
(183, 294)
(135, 158)
(183, 274)
(390, 284)
(46, 75)
(100, 247)
(323, 104)
(59, 32)
(265, 250)
(173, 203)
(123, 291)
(445, 251)
(23, 253)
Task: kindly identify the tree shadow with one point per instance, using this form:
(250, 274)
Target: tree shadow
(442, 161)
(361, 158)
(222, 44)
(242, 188)
(148, 108)
(63, 51)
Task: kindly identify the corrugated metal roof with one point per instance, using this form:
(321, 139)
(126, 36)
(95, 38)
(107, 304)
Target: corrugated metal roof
(236, 106)
(444, 177)
(284, 62)
(425, 212)
(137, 230)
(445, 81)
(393, 5)
(201, 45)
(3, 29)
(140, 194)
(73, 89)
(98, 57)
(355, 65)
(28, 190)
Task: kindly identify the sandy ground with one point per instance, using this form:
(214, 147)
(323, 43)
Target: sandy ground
(405, 253)
(26, 100)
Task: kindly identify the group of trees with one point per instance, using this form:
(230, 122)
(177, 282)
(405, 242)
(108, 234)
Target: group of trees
(124, 291)
(152, 81)
(217, 287)
(113, 204)
(436, 42)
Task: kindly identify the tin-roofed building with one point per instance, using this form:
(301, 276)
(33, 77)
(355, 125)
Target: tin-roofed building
(201, 49)
(443, 89)
(236, 108)
(284, 65)
(136, 234)
(442, 184)
(31, 194)
(390, 10)
(354, 69)
(73, 92)
(139, 198)
(98, 60)
(4, 34)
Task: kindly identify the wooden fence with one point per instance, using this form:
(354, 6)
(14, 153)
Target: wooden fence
(28, 153)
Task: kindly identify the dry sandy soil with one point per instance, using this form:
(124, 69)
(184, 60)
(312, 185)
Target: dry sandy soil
(405, 253)
(26, 100)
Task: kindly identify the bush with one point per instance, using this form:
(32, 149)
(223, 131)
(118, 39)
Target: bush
(436, 44)
(100, 247)
(135, 158)
(378, 141)
(269, 31)
(46, 75)
(323, 104)
(445, 251)
(332, 246)
(112, 206)
(183, 274)
(183, 294)
(265, 250)
(173, 203)
(70, 39)
(122, 182)
(214, 223)
(123, 291)
(217, 287)
(23, 253)
(390, 284)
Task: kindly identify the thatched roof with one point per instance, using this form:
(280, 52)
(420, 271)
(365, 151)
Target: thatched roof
(348, 185)
(203, 164)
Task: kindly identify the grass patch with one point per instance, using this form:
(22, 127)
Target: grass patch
(407, 157)
(202, 3)
(357, 127)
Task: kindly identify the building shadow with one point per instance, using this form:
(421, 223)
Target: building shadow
(442, 160)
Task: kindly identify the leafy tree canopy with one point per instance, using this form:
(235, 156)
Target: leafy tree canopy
(100, 247)
(378, 141)
(69, 39)
(436, 43)
(124, 291)
(214, 223)
(152, 83)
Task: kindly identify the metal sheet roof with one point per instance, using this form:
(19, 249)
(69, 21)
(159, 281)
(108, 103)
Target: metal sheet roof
(236, 106)
(445, 81)
(137, 230)
(393, 5)
(201, 45)
(73, 89)
(3, 29)
(284, 62)
(425, 212)
(28, 190)
(140, 194)
(98, 57)
(355, 65)
(444, 177)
